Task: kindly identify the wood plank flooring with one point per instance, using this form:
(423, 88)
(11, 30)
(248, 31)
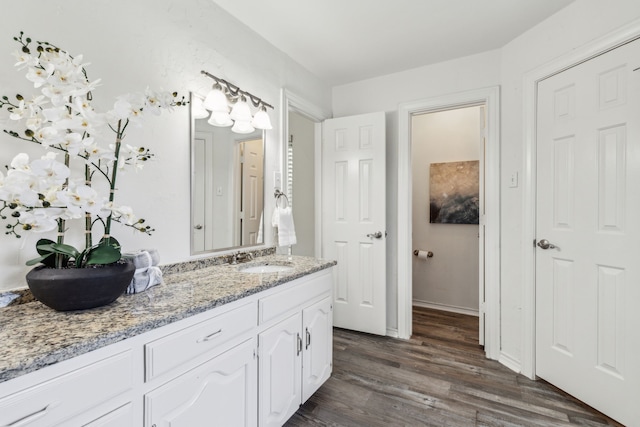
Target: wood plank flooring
(438, 378)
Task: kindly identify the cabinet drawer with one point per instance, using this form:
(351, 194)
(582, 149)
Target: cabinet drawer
(167, 353)
(53, 401)
(283, 302)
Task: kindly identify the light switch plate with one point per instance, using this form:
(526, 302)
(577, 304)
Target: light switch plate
(277, 180)
(513, 181)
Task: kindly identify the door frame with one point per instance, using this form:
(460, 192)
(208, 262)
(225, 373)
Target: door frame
(490, 97)
(290, 101)
(582, 54)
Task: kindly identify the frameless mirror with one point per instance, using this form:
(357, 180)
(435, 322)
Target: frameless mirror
(227, 187)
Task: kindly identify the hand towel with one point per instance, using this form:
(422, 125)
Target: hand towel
(286, 228)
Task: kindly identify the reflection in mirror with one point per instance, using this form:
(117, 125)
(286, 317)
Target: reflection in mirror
(227, 183)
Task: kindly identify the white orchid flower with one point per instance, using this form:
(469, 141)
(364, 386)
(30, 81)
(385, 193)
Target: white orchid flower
(48, 136)
(21, 162)
(39, 75)
(124, 214)
(51, 171)
(18, 113)
(37, 221)
(24, 60)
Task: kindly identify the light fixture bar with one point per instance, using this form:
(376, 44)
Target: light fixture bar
(236, 91)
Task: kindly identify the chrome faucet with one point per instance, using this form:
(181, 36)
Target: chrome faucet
(240, 257)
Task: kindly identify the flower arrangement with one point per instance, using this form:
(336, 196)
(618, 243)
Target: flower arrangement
(43, 195)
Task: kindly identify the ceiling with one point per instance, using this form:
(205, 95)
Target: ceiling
(343, 41)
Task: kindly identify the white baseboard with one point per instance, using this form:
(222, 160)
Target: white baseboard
(444, 307)
(510, 362)
(392, 332)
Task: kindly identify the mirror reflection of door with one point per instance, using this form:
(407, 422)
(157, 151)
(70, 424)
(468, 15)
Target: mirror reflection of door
(203, 155)
(251, 189)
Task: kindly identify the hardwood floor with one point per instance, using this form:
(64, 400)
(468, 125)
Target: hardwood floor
(438, 378)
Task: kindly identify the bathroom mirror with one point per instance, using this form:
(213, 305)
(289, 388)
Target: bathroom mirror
(227, 187)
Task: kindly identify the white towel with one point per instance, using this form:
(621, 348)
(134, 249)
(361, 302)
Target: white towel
(283, 220)
(147, 273)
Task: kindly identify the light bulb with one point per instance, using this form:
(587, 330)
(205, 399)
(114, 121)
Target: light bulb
(216, 100)
(241, 126)
(220, 119)
(197, 109)
(261, 120)
(241, 111)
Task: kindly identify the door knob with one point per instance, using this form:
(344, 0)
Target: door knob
(544, 244)
(376, 235)
(198, 227)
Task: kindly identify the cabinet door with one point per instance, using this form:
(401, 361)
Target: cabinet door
(220, 392)
(280, 349)
(317, 361)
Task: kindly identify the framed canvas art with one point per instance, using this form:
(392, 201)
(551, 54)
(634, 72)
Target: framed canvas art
(454, 192)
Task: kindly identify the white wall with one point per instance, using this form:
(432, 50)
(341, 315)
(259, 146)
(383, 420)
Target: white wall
(572, 27)
(160, 44)
(449, 280)
(302, 130)
(385, 94)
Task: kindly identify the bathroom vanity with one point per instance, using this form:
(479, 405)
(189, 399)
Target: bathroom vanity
(213, 345)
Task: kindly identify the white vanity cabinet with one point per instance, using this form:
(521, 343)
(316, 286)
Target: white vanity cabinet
(295, 351)
(250, 362)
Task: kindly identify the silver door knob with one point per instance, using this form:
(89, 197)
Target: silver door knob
(544, 244)
(376, 235)
(198, 227)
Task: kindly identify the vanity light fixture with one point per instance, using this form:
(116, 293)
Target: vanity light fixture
(225, 95)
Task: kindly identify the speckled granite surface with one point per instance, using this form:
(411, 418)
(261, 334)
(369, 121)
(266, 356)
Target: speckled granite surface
(33, 336)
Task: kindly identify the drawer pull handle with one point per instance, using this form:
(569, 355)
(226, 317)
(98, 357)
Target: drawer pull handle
(306, 347)
(299, 344)
(210, 336)
(33, 416)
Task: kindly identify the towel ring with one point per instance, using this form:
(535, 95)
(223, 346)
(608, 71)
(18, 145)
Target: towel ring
(278, 195)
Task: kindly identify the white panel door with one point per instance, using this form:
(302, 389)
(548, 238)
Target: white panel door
(354, 219)
(588, 209)
(252, 188)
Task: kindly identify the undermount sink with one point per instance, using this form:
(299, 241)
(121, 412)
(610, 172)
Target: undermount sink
(265, 268)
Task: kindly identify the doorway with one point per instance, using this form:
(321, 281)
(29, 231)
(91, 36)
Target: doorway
(489, 268)
(302, 118)
(447, 148)
(300, 167)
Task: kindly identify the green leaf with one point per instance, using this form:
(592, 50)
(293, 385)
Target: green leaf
(111, 241)
(64, 249)
(103, 254)
(41, 259)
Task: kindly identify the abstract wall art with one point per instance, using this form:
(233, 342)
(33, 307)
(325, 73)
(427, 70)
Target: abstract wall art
(454, 192)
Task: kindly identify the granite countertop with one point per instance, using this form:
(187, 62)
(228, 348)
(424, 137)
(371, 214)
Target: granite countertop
(33, 336)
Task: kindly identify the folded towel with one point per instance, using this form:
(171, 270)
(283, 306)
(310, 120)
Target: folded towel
(283, 219)
(143, 258)
(147, 273)
(143, 279)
